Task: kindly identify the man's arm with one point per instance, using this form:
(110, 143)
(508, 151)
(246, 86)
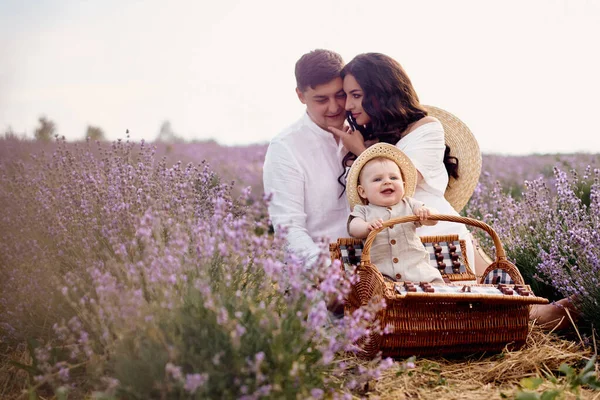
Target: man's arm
(284, 180)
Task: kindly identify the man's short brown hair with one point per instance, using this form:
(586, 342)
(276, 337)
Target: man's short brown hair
(317, 67)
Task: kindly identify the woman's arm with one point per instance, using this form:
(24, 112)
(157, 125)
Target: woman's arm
(425, 148)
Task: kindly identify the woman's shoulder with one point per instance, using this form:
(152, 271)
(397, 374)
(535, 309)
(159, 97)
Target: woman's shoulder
(424, 121)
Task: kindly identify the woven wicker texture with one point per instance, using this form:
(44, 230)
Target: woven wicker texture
(451, 252)
(465, 148)
(455, 319)
(349, 252)
(497, 276)
(409, 172)
(437, 326)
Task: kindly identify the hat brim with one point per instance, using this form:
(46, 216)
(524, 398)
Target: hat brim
(409, 172)
(465, 148)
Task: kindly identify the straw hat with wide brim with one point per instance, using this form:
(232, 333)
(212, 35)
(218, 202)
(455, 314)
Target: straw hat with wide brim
(407, 168)
(465, 148)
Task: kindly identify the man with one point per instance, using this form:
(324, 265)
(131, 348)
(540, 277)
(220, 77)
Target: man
(303, 162)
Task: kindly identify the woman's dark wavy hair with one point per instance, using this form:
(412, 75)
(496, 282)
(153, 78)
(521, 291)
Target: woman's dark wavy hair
(390, 101)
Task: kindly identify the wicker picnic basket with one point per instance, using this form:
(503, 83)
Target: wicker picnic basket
(453, 318)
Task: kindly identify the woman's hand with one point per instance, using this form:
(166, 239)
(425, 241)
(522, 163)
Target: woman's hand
(353, 141)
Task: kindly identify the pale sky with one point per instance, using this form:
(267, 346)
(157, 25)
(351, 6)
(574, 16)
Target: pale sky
(524, 75)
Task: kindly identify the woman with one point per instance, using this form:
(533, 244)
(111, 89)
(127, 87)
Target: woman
(383, 106)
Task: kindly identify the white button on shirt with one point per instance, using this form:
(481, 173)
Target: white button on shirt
(301, 169)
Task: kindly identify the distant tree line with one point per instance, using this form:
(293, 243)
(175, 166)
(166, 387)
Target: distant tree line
(167, 135)
(46, 131)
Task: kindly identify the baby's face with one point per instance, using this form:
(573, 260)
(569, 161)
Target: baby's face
(381, 182)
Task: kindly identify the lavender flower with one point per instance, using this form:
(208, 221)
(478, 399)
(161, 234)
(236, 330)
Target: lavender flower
(163, 278)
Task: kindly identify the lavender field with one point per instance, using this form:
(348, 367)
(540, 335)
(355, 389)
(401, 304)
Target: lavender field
(142, 271)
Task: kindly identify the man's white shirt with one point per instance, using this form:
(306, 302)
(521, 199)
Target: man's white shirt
(301, 171)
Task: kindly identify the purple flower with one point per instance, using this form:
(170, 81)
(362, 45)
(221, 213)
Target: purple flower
(194, 381)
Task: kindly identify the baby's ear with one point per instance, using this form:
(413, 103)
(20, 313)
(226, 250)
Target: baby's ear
(361, 192)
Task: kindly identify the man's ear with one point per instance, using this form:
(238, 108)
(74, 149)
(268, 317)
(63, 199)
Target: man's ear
(300, 96)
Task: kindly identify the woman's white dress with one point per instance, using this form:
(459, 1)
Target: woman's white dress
(425, 146)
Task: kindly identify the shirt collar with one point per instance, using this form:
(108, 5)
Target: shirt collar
(316, 128)
(307, 120)
(399, 204)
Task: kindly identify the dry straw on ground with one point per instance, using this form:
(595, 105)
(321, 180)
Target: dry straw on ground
(487, 377)
(13, 380)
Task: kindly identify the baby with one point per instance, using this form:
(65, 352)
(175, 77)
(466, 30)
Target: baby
(383, 178)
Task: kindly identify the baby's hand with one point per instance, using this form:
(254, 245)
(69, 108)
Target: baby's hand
(375, 224)
(423, 213)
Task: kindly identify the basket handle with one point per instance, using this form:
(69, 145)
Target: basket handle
(500, 262)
